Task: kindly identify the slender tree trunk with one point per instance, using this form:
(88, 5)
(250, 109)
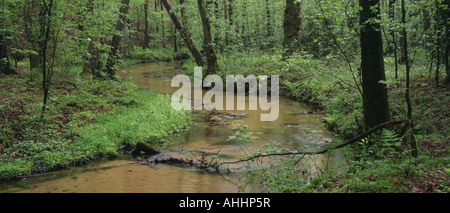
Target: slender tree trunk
(138, 21)
(115, 43)
(174, 36)
(269, 26)
(244, 25)
(447, 42)
(146, 36)
(156, 10)
(225, 16)
(123, 49)
(31, 39)
(93, 64)
(394, 39)
(216, 25)
(184, 32)
(163, 30)
(45, 17)
(438, 42)
(291, 26)
(375, 97)
(208, 45)
(5, 66)
(410, 138)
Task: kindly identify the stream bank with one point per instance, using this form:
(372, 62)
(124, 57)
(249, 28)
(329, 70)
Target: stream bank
(209, 133)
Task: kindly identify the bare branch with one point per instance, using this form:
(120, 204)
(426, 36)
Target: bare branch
(354, 140)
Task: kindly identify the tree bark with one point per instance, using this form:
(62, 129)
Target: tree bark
(375, 97)
(115, 43)
(184, 32)
(211, 57)
(291, 25)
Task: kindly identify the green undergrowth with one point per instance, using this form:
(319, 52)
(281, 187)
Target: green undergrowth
(331, 88)
(154, 55)
(84, 121)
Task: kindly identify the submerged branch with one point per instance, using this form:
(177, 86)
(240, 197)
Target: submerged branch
(354, 140)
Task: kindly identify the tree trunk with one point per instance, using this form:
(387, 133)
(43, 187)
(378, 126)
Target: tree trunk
(269, 27)
(211, 57)
(410, 138)
(174, 36)
(31, 39)
(163, 33)
(115, 43)
(184, 32)
(375, 98)
(225, 16)
(92, 65)
(216, 26)
(291, 26)
(45, 17)
(5, 65)
(447, 42)
(146, 36)
(244, 25)
(394, 39)
(438, 43)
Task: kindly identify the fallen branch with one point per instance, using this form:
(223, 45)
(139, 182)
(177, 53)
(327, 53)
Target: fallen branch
(354, 140)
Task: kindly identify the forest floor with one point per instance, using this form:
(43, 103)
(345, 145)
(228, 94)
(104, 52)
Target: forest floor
(85, 120)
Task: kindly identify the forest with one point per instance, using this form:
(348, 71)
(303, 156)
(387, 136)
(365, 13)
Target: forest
(376, 71)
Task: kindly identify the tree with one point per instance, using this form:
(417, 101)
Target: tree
(145, 45)
(5, 64)
(447, 40)
(375, 97)
(269, 26)
(291, 26)
(92, 64)
(45, 18)
(184, 32)
(410, 136)
(30, 32)
(115, 43)
(208, 46)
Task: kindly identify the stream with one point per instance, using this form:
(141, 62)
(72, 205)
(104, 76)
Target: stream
(294, 128)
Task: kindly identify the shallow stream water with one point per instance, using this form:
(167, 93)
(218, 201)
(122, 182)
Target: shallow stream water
(294, 128)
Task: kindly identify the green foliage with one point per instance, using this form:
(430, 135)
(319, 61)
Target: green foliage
(154, 55)
(149, 121)
(98, 119)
